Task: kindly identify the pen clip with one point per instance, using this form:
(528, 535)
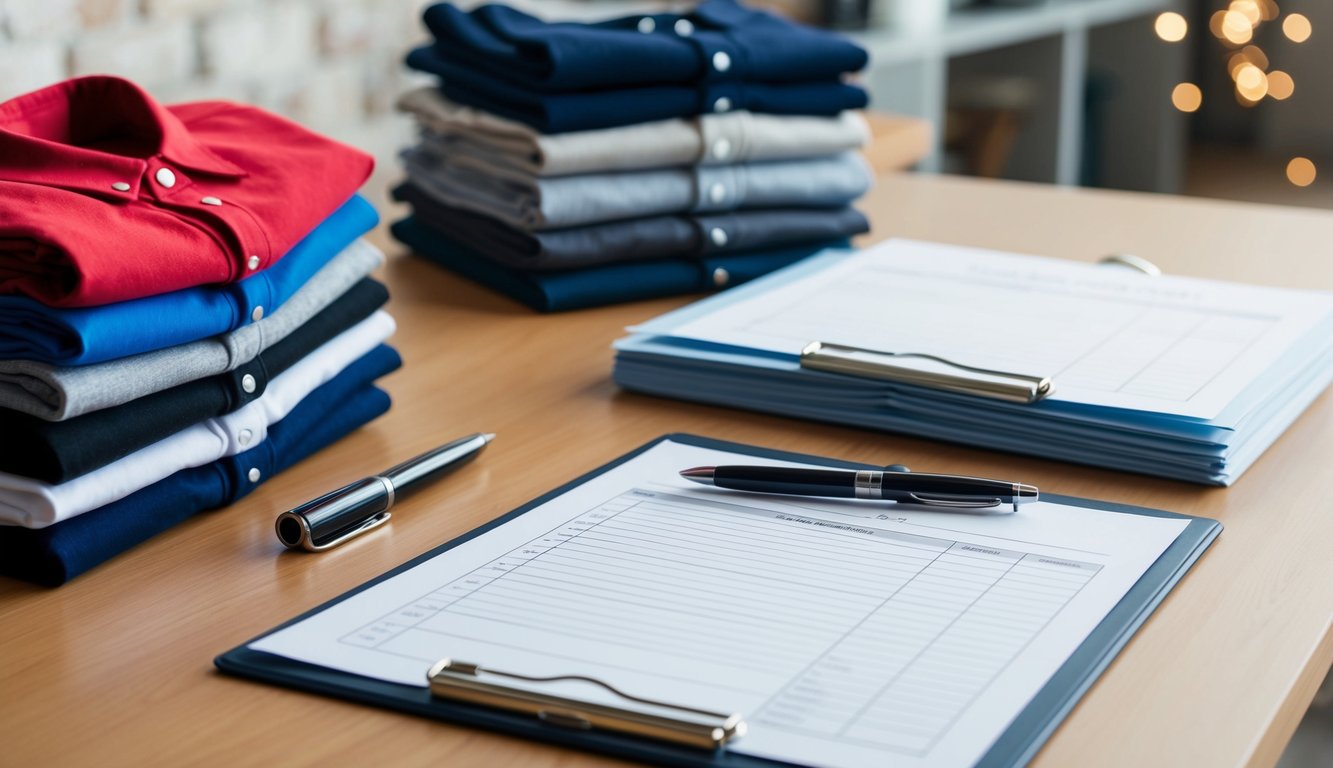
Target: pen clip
(955, 502)
(462, 681)
(968, 379)
(307, 542)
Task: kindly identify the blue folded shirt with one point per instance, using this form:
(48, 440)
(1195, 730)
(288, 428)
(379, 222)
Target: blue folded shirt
(54, 555)
(551, 112)
(607, 284)
(719, 41)
(30, 330)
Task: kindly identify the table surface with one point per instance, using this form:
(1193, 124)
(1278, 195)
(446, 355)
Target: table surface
(116, 667)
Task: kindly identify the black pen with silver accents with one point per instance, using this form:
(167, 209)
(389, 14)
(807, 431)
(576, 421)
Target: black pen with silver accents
(945, 491)
(362, 506)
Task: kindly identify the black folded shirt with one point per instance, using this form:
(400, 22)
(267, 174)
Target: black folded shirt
(646, 239)
(55, 452)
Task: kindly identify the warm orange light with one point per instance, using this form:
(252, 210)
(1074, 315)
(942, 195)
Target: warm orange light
(1215, 24)
(1255, 56)
(1297, 28)
(1249, 9)
(1234, 64)
(1236, 28)
(1301, 172)
(1251, 82)
(1280, 85)
(1171, 27)
(1244, 102)
(1267, 10)
(1187, 97)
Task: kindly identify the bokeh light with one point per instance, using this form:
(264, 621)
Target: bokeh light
(1280, 85)
(1297, 28)
(1301, 172)
(1251, 82)
(1249, 9)
(1236, 29)
(1171, 27)
(1187, 97)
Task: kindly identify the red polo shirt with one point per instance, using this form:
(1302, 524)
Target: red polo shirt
(105, 195)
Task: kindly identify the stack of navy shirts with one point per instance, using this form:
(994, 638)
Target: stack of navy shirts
(185, 310)
(570, 165)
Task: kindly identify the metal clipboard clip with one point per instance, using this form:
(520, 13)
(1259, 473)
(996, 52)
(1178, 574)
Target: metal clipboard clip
(945, 374)
(462, 681)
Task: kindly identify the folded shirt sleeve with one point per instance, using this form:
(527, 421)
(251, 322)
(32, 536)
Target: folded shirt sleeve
(56, 393)
(52, 556)
(30, 330)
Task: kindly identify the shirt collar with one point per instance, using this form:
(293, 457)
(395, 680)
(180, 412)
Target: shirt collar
(43, 133)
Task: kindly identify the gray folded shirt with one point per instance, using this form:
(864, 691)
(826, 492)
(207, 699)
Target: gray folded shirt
(56, 393)
(488, 142)
(535, 203)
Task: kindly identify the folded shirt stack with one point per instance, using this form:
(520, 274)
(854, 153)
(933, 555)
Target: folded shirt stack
(571, 165)
(185, 310)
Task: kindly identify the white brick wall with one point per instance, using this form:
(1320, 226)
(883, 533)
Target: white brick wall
(334, 65)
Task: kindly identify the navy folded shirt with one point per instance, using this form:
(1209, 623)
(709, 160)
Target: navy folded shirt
(596, 286)
(57, 451)
(719, 41)
(655, 237)
(551, 112)
(54, 555)
(30, 330)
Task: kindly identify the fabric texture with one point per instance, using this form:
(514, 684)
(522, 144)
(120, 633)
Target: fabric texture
(34, 504)
(210, 192)
(487, 142)
(552, 203)
(553, 113)
(719, 41)
(56, 554)
(58, 451)
(658, 237)
(56, 393)
(596, 286)
(30, 330)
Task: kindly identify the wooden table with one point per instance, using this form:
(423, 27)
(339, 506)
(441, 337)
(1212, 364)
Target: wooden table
(115, 668)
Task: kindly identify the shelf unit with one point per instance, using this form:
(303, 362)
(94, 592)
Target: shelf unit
(1055, 46)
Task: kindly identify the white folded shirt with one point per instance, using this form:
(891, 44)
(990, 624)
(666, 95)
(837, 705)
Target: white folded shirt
(34, 504)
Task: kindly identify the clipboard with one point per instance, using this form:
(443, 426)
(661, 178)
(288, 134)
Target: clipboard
(1016, 746)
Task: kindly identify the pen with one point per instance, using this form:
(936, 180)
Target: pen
(952, 491)
(364, 505)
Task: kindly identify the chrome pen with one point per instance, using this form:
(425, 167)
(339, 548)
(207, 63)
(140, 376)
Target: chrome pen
(945, 491)
(358, 508)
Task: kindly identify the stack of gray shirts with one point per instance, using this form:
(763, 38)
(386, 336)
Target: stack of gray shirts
(593, 217)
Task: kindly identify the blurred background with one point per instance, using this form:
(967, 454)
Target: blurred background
(1217, 98)
(1228, 99)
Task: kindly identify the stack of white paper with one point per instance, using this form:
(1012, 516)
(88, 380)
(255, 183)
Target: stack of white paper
(1179, 377)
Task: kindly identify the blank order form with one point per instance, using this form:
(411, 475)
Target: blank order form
(848, 634)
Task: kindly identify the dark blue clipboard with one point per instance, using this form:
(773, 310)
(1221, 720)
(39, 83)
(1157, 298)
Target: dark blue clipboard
(1016, 746)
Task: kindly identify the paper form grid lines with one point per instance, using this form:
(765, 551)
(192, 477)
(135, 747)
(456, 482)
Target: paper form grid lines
(905, 630)
(1089, 340)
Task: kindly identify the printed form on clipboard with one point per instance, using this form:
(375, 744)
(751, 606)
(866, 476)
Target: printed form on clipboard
(1105, 337)
(847, 634)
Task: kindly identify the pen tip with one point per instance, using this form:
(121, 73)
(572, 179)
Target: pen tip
(701, 475)
(488, 436)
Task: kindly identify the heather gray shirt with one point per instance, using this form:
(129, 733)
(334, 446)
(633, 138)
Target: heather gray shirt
(56, 393)
(537, 203)
(488, 142)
